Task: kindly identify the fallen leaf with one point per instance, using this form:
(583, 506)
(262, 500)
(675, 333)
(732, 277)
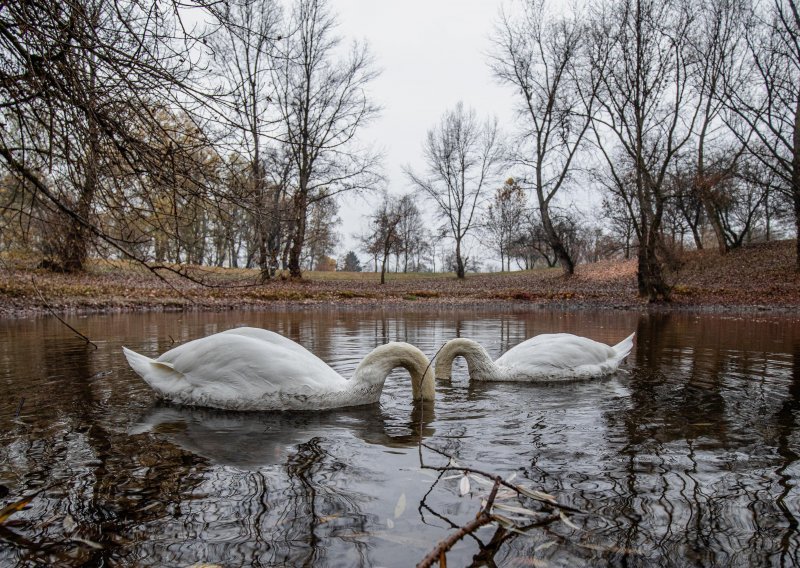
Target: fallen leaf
(463, 486)
(400, 507)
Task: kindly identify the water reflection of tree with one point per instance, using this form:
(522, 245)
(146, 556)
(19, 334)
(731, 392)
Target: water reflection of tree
(98, 483)
(697, 436)
(309, 504)
(787, 444)
(288, 497)
(700, 464)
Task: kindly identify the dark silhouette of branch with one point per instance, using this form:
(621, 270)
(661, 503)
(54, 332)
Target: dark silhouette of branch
(55, 315)
(484, 517)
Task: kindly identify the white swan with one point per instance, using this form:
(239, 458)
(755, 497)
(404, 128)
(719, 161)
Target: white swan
(254, 369)
(546, 357)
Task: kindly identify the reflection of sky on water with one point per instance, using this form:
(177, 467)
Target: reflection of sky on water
(689, 457)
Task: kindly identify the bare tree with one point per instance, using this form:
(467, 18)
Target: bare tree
(768, 104)
(619, 213)
(543, 58)
(462, 157)
(322, 105)
(503, 219)
(530, 244)
(385, 238)
(242, 54)
(81, 83)
(649, 111)
(746, 208)
(716, 44)
(411, 229)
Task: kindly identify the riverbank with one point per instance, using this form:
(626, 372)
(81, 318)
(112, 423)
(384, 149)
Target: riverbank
(757, 277)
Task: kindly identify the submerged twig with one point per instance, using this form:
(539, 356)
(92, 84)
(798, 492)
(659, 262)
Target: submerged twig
(54, 314)
(19, 407)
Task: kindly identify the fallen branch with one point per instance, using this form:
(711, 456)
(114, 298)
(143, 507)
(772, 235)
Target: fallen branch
(541, 497)
(55, 315)
(484, 517)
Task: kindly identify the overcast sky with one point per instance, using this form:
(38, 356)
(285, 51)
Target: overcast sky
(432, 54)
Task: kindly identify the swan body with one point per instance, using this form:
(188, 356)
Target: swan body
(546, 357)
(255, 369)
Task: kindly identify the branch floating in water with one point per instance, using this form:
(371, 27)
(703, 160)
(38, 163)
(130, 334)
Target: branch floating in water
(484, 517)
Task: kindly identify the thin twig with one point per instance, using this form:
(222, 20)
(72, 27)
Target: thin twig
(89, 341)
(19, 407)
(422, 414)
(483, 518)
(488, 475)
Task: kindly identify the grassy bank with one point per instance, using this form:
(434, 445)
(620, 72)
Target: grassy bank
(759, 276)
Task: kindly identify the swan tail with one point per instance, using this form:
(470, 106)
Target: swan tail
(623, 348)
(160, 376)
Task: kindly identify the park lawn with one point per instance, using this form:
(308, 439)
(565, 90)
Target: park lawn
(756, 277)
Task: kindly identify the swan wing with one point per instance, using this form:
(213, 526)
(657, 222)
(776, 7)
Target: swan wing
(272, 338)
(560, 355)
(247, 364)
(624, 347)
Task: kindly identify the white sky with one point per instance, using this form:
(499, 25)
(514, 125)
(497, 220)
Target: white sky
(432, 54)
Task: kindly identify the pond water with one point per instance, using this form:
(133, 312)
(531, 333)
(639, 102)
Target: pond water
(688, 458)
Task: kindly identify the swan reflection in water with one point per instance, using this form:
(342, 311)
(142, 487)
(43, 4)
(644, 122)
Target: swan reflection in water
(253, 439)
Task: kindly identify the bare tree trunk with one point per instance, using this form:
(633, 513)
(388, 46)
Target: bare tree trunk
(796, 178)
(75, 249)
(696, 237)
(460, 271)
(274, 239)
(703, 188)
(296, 252)
(383, 267)
(553, 239)
(650, 277)
(261, 222)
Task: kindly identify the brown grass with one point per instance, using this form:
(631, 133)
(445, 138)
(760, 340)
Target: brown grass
(759, 276)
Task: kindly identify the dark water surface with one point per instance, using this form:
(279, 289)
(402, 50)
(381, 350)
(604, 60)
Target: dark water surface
(690, 458)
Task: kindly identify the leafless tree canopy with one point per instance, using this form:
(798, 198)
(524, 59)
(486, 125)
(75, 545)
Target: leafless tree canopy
(92, 94)
(131, 129)
(321, 106)
(462, 157)
(221, 133)
(545, 58)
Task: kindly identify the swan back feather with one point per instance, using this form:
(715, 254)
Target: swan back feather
(255, 369)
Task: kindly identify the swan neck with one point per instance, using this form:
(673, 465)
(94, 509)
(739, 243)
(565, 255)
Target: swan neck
(479, 363)
(376, 366)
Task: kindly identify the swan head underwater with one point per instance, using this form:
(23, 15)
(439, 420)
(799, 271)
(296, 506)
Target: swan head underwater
(545, 357)
(256, 369)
